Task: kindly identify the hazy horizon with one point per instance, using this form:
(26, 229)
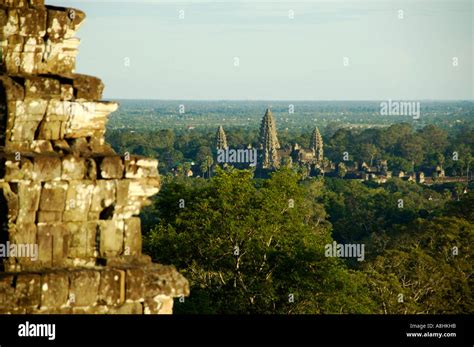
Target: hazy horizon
(295, 51)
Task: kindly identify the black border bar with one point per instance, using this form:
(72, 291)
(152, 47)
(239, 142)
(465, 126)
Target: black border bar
(332, 330)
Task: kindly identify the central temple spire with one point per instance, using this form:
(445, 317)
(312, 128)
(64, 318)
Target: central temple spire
(269, 142)
(221, 139)
(316, 144)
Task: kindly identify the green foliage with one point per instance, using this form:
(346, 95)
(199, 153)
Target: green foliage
(405, 148)
(429, 263)
(249, 249)
(357, 211)
(249, 246)
(408, 257)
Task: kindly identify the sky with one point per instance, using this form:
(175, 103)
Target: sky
(279, 50)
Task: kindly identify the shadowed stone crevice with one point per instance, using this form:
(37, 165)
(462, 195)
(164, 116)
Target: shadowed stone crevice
(107, 213)
(64, 192)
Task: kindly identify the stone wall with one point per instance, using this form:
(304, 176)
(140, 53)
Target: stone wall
(62, 187)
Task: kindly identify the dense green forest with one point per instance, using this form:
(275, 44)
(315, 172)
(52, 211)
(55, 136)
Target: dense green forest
(258, 246)
(251, 245)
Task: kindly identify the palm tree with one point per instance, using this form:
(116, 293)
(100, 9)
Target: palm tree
(206, 165)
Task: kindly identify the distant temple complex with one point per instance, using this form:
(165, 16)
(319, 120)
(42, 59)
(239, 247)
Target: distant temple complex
(272, 156)
(221, 139)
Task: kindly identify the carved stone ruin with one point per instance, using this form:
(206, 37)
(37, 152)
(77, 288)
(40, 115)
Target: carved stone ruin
(63, 190)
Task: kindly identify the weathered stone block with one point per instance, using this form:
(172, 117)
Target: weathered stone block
(73, 168)
(122, 192)
(135, 284)
(42, 87)
(54, 289)
(60, 243)
(160, 304)
(112, 287)
(13, 89)
(48, 216)
(29, 61)
(47, 168)
(12, 26)
(44, 239)
(63, 23)
(13, 171)
(79, 147)
(14, 3)
(7, 291)
(3, 24)
(98, 144)
(143, 188)
(56, 60)
(32, 22)
(53, 196)
(164, 280)
(82, 239)
(36, 3)
(93, 216)
(132, 237)
(11, 198)
(12, 61)
(19, 112)
(50, 130)
(35, 106)
(29, 195)
(57, 24)
(111, 237)
(111, 167)
(27, 290)
(76, 19)
(78, 201)
(15, 45)
(88, 119)
(103, 195)
(25, 234)
(59, 110)
(141, 167)
(88, 87)
(25, 217)
(84, 288)
(67, 92)
(41, 146)
(24, 130)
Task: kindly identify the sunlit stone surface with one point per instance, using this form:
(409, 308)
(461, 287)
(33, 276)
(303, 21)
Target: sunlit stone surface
(63, 190)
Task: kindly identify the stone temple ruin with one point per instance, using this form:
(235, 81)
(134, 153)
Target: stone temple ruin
(63, 190)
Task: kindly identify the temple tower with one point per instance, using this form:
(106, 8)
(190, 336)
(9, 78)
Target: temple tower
(316, 144)
(269, 144)
(221, 139)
